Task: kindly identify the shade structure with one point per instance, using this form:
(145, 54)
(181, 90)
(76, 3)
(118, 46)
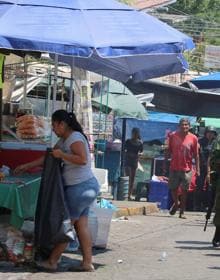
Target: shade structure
(105, 37)
(119, 99)
(211, 82)
(178, 99)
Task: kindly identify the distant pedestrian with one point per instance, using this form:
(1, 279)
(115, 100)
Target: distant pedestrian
(182, 149)
(213, 176)
(202, 188)
(133, 147)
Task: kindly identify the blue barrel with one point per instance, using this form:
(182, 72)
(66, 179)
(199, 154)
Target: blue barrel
(100, 145)
(122, 189)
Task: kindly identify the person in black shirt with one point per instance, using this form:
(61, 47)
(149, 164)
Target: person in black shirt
(133, 147)
(205, 145)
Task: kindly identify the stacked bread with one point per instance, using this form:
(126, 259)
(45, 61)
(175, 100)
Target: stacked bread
(31, 127)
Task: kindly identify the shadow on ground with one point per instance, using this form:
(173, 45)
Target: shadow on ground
(194, 242)
(64, 266)
(214, 267)
(212, 255)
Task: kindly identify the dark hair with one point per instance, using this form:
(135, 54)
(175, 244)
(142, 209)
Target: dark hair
(69, 119)
(136, 130)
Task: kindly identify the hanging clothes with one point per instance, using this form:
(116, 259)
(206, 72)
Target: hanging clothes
(52, 222)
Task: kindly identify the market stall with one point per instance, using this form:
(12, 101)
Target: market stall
(19, 194)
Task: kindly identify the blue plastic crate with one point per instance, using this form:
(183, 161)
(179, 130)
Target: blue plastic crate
(160, 193)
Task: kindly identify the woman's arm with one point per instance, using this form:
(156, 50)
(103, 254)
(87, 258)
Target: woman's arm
(24, 167)
(78, 154)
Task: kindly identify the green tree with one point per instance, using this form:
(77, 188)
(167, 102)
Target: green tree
(128, 2)
(203, 25)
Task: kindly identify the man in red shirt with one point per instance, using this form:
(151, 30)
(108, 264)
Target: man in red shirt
(182, 149)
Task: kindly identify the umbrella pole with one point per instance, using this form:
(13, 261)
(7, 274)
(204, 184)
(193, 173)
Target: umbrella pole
(53, 138)
(55, 82)
(123, 138)
(49, 92)
(100, 115)
(106, 108)
(100, 106)
(71, 100)
(25, 83)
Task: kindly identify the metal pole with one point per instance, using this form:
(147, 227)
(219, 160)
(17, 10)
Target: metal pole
(71, 97)
(55, 82)
(25, 83)
(106, 109)
(53, 138)
(49, 92)
(123, 138)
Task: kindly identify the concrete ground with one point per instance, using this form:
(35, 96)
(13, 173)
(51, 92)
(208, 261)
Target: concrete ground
(156, 246)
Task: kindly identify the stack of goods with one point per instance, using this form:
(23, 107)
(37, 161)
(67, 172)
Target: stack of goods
(32, 127)
(2, 176)
(4, 171)
(18, 248)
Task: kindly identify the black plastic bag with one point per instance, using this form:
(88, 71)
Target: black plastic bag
(52, 222)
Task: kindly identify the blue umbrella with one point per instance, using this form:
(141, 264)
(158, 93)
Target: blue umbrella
(106, 37)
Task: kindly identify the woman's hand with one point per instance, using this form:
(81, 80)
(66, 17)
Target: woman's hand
(57, 153)
(21, 168)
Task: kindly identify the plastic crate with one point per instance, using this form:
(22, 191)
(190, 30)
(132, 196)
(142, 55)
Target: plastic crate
(160, 193)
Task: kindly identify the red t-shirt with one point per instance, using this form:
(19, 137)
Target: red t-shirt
(182, 150)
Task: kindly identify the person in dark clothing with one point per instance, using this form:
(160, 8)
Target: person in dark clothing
(133, 147)
(202, 189)
(213, 176)
(80, 186)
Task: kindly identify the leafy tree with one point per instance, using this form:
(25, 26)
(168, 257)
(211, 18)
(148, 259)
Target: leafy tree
(128, 2)
(203, 26)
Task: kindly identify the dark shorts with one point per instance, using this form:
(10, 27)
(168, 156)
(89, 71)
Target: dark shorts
(79, 197)
(131, 163)
(179, 178)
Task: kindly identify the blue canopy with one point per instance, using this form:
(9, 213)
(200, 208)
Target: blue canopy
(167, 117)
(211, 81)
(106, 37)
(149, 130)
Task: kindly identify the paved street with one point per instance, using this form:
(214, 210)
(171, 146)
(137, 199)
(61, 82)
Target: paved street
(135, 249)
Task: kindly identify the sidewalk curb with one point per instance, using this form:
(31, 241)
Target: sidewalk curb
(142, 208)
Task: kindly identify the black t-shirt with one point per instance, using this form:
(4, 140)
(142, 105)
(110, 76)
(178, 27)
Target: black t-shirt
(132, 148)
(204, 150)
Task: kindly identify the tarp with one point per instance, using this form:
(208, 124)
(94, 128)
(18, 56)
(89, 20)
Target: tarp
(179, 100)
(149, 130)
(167, 117)
(212, 122)
(210, 81)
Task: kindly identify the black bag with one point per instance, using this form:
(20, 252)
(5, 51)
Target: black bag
(52, 222)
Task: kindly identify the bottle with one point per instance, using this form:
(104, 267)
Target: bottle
(18, 251)
(28, 251)
(163, 256)
(18, 248)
